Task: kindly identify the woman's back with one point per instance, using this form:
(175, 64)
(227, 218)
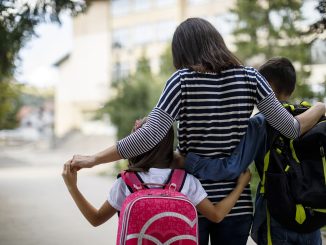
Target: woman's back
(213, 109)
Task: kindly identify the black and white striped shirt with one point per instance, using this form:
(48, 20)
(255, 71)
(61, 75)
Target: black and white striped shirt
(213, 110)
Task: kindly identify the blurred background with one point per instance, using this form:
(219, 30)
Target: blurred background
(74, 76)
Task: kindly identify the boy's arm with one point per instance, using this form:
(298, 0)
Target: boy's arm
(229, 168)
(94, 216)
(217, 212)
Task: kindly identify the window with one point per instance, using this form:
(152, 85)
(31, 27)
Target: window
(165, 30)
(165, 3)
(120, 7)
(121, 38)
(141, 5)
(143, 34)
(196, 2)
(120, 71)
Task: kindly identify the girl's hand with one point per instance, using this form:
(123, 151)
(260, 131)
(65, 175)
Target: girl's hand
(69, 175)
(244, 178)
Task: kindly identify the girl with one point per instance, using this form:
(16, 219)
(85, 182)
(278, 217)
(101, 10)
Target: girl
(153, 167)
(212, 96)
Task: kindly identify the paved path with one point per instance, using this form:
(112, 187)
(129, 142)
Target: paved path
(35, 207)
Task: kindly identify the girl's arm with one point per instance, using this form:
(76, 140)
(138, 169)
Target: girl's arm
(94, 216)
(217, 212)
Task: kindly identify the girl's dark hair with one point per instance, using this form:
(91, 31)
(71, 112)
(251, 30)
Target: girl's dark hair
(161, 155)
(280, 72)
(197, 45)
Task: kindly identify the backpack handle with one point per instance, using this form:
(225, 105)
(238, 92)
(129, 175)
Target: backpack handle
(175, 180)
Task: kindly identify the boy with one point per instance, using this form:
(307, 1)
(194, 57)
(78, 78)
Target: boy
(280, 73)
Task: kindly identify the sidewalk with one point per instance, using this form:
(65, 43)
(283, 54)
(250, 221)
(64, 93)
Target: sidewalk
(36, 208)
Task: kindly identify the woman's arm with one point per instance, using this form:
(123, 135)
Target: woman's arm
(311, 116)
(94, 216)
(278, 117)
(110, 154)
(217, 212)
(145, 138)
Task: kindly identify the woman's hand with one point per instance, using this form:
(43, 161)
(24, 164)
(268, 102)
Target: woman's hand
(69, 175)
(80, 161)
(244, 178)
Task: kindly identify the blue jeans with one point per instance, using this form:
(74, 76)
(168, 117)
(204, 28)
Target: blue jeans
(279, 234)
(283, 236)
(253, 144)
(232, 230)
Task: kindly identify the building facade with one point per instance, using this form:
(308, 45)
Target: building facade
(109, 39)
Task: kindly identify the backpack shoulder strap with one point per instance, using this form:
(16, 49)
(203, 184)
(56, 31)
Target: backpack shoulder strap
(176, 179)
(132, 180)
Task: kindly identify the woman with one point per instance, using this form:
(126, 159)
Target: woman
(212, 96)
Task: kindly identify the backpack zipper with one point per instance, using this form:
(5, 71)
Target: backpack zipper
(322, 153)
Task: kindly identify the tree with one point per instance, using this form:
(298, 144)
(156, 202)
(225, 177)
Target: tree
(320, 25)
(17, 23)
(135, 96)
(10, 103)
(270, 28)
(317, 29)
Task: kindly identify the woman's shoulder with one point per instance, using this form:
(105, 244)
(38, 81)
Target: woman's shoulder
(240, 68)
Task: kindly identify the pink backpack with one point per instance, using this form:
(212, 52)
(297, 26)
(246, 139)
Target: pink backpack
(157, 216)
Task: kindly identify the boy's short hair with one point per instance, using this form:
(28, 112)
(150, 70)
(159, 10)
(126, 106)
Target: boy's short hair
(280, 73)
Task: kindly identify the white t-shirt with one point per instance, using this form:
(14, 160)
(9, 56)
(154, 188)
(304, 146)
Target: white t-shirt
(191, 188)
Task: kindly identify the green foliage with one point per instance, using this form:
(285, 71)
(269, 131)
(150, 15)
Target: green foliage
(135, 96)
(166, 65)
(18, 20)
(320, 25)
(10, 103)
(270, 28)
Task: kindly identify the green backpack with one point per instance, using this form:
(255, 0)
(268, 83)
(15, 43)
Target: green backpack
(293, 180)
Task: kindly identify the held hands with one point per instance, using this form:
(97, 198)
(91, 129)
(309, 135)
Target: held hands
(69, 175)
(244, 178)
(79, 161)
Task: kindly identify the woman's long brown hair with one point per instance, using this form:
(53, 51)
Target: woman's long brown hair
(197, 45)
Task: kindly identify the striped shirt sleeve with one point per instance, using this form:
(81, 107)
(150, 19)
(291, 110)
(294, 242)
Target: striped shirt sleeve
(276, 115)
(158, 122)
(263, 87)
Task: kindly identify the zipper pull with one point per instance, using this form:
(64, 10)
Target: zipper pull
(322, 152)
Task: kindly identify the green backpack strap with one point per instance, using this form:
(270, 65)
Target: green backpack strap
(266, 164)
(268, 221)
(272, 134)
